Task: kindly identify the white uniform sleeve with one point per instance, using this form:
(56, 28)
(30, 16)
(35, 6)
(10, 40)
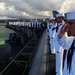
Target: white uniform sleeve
(54, 32)
(66, 42)
(51, 32)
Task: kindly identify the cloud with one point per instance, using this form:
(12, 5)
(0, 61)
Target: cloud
(33, 8)
(68, 6)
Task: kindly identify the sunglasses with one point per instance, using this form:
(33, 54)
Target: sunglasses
(58, 17)
(71, 23)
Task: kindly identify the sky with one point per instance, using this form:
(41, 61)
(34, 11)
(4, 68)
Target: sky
(10, 9)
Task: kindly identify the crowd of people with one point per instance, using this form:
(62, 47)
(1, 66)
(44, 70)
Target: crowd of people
(29, 24)
(61, 30)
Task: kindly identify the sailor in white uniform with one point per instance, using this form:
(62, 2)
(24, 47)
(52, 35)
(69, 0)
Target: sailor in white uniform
(59, 49)
(51, 35)
(68, 43)
(38, 24)
(49, 25)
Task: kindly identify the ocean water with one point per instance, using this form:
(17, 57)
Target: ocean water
(4, 35)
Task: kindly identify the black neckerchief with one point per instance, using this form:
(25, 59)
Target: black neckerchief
(57, 27)
(69, 56)
(49, 26)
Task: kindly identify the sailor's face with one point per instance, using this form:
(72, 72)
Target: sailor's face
(51, 21)
(59, 19)
(71, 26)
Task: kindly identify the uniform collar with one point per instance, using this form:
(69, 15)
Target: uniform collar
(61, 23)
(50, 23)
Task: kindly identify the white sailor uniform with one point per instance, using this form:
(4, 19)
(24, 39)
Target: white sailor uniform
(52, 48)
(69, 44)
(50, 30)
(53, 32)
(38, 24)
(59, 51)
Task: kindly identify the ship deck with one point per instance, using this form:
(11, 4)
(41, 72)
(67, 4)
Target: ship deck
(44, 63)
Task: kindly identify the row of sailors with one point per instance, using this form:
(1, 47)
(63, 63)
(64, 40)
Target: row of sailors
(59, 41)
(54, 25)
(28, 24)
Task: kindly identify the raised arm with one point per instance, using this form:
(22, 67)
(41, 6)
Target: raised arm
(63, 30)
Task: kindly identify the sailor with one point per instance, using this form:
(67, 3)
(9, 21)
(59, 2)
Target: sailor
(59, 49)
(68, 43)
(38, 24)
(48, 28)
(51, 35)
(32, 24)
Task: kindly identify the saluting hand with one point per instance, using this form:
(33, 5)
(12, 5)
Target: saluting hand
(64, 29)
